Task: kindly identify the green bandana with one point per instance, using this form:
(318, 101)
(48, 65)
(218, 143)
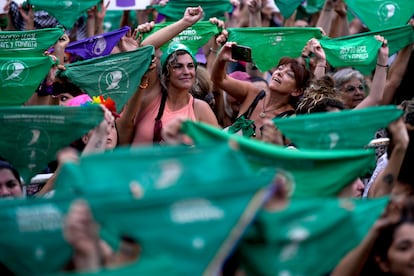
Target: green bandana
(347, 129)
(309, 237)
(269, 45)
(32, 135)
(287, 7)
(28, 43)
(66, 12)
(397, 37)
(112, 22)
(163, 167)
(245, 125)
(382, 14)
(194, 222)
(174, 10)
(352, 52)
(339, 167)
(193, 37)
(20, 77)
(313, 6)
(116, 76)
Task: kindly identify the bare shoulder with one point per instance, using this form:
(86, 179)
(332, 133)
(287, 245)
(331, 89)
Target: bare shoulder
(204, 113)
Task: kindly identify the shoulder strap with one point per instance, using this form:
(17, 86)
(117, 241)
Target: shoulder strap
(285, 113)
(256, 100)
(158, 123)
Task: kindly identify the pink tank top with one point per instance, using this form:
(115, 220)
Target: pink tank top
(144, 123)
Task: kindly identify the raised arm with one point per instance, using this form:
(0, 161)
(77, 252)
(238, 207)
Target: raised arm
(162, 36)
(238, 89)
(211, 48)
(255, 15)
(378, 83)
(353, 263)
(384, 182)
(125, 123)
(397, 71)
(340, 25)
(326, 16)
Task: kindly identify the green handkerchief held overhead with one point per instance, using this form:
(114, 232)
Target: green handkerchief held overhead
(308, 236)
(117, 76)
(339, 167)
(382, 14)
(154, 168)
(20, 77)
(28, 43)
(194, 37)
(65, 11)
(32, 135)
(287, 7)
(174, 9)
(269, 45)
(313, 6)
(189, 227)
(347, 129)
(397, 38)
(355, 52)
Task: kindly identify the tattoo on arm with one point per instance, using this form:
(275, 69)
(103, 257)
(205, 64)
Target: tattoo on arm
(98, 144)
(389, 179)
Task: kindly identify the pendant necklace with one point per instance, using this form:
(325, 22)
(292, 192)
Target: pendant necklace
(263, 113)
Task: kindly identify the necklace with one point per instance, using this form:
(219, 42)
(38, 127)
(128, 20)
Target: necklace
(263, 113)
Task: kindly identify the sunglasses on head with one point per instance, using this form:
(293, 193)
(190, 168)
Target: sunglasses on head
(352, 89)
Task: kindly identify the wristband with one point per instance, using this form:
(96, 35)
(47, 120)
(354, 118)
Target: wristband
(380, 65)
(45, 89)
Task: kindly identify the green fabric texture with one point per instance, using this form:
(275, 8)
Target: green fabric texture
(309, 237)
(28, 43)
(112, 20)
(305, 167)
(313, 6)
(116, 76)
(20, 77)
(287, 7)
(66, 12)
(32, 135)
(382, 14)
(269, 44)
(352, 52)
(194, 37)
(172, 48)
(347, 129)
(397, 38)
(32, 242)
(152, 167)
(174, 9)
(194, 222)
(244, 125)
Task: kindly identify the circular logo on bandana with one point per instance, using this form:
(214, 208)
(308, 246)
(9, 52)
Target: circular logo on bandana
(387, 11)
(113, 80)
(99, 46)
(15, 71)
(96, 46)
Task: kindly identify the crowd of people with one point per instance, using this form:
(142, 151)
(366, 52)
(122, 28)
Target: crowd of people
(209, 85)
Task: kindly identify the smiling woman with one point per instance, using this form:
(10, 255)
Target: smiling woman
(286, 85)
(178, 77)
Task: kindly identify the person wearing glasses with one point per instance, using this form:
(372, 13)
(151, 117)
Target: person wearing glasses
(352, 86)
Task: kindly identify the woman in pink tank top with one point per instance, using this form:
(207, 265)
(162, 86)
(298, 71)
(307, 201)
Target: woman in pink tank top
(178, 75)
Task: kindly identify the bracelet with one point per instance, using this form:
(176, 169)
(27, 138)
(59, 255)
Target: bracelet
(380, 65)
(45, 89)
(212, 50)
